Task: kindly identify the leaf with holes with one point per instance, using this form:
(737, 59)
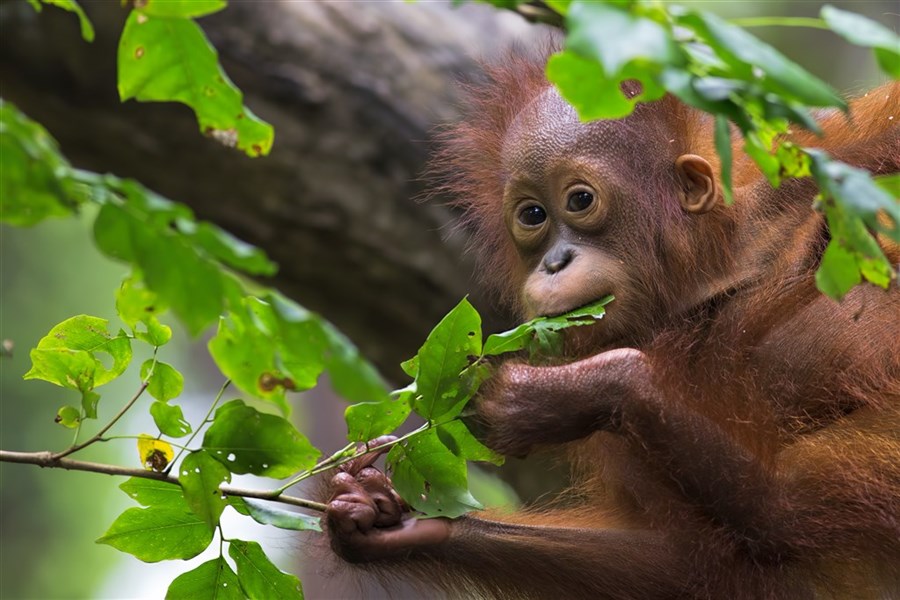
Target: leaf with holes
(430, 477)
(169, 419)
(248, 441)
(67, 355)
(200, 476)
(446, 352)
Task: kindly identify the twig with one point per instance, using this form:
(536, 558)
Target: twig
(106, 428)
(202, 423)
(52, 461)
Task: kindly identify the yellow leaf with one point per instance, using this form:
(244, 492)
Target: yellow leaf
(155, 454)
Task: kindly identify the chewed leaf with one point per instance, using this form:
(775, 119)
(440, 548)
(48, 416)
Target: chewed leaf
(155, 454)
(67, 355)
(523, 336)
(448, 350)
(170, 419)
(163, 59)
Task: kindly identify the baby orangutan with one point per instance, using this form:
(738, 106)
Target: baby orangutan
(734, 434)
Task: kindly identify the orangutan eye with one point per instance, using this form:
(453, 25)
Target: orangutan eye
(578, 201)
(532, 216)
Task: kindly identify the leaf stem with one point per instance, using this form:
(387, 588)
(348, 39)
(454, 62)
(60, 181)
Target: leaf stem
(780, 22)
(328, 463)
(107, 427)
(49, 460)
(202, 423)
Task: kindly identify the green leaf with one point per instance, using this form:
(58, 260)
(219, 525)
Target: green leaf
(691, 90)
(616, 38)
(560, 6)
(455, 435)
(164, 383)
(445, 353)
(857, 192)
(584, 84)
(761, 154)
(68, 416)
(213, 580)
(245, 350)
(430, 477)
(151, 492)
(258, 576)
(87, 29)
(723, 148)
(248, 441)
(265, 353)
(351, 375)
(307, 338)
(746, 54)
(169, 419)
(838, 272)
(180, 8)
(411, 366)
(228, 249)
(862, 31)
(138, 231)
(890, 184)
(89, 402)
(200, 476)
(522, 337)
(164, 60)
(158, 533)
(368, 420)
(266, 514)
(35, 180)
(136, 304)
(67, 355)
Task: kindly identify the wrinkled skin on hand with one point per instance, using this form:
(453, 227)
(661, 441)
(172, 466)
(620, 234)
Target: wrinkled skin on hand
(366, 518)
(512, 413)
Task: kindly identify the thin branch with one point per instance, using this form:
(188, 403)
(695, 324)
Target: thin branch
(52, 461)
(810, 22)
(106, 428)
(202, 423)
(330, 463)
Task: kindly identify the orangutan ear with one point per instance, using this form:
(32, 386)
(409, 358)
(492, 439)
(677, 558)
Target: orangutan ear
(699, 192)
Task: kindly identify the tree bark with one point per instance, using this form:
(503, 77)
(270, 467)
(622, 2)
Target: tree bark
(354, 91)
